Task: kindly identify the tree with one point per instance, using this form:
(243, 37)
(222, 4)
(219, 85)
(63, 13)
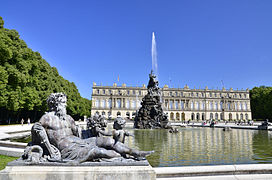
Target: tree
(26, 80)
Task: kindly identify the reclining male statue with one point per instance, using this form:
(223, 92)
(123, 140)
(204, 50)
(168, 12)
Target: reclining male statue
(59, 138)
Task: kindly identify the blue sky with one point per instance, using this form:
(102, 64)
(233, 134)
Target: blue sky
(199, 43)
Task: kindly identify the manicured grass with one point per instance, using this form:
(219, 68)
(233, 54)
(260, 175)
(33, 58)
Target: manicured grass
(4, 160)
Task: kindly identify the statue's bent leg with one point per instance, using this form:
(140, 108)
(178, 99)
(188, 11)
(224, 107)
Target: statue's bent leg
(109, 143)
(103, 153)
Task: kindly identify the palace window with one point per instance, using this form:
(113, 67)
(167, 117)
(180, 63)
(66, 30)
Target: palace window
(245, 106)
(221, 105)
(170, 93)
(133, 104)
(127, 92)
(140, 93)
(192, 94)
(176, 93)
(103, 104)
(176, 104)
(216, 105)
(97, 91)
(109, 91)
(118, 103)
(171, 104)
(104, 91)
(181, 105)
(109, 103)
(96, 104)
(203, 104)
(210, 94)
(127, 104)
(197, 105)
(134, 92)
(211, 106)
(192, 105)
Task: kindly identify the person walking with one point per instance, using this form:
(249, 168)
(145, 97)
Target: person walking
(22, 121)
(28, 121)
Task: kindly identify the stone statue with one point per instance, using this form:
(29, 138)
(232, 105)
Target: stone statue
(96, 126)
(56, 138)
(119, 133)
(151, 115)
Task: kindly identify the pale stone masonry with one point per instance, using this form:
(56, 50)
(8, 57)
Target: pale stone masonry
(180, 103)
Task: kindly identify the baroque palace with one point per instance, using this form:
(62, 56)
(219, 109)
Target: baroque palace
(181, 104)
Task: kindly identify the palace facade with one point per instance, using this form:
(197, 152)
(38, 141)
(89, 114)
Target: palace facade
(180, 103)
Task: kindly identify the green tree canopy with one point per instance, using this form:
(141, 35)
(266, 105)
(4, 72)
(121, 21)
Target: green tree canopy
(26, 80)
(261, 102)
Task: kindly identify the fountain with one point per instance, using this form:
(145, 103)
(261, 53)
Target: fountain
(151, 115)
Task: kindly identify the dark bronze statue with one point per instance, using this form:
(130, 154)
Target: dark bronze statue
(151, 115)
(58, 139)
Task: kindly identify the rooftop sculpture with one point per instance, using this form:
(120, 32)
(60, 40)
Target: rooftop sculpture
(56, 138)
(151, 114)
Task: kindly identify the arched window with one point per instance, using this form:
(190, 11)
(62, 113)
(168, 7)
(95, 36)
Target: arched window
(237, 116)
(203, 104)
(103, 113)
(235, 104)
(221, 105)
(183, 116)
(97, 112)
(241, 116)
(230, 116)
(246, 116)
(197, 116)
(211, 116)
(177, 116)
(216, 116)
(118, 113)
(245, 106)
(240, 106)
(193, 116)
(221, 116)
(171, 116)
(203, 116)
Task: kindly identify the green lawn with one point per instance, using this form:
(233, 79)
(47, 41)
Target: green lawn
(4, 160)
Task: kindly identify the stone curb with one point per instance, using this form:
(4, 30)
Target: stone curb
(188, 171)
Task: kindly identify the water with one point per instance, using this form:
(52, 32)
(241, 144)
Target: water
(202, 146)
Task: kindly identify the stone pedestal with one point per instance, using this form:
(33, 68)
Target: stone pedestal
(82, 172)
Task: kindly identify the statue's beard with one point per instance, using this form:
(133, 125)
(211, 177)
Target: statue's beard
(61, 112)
